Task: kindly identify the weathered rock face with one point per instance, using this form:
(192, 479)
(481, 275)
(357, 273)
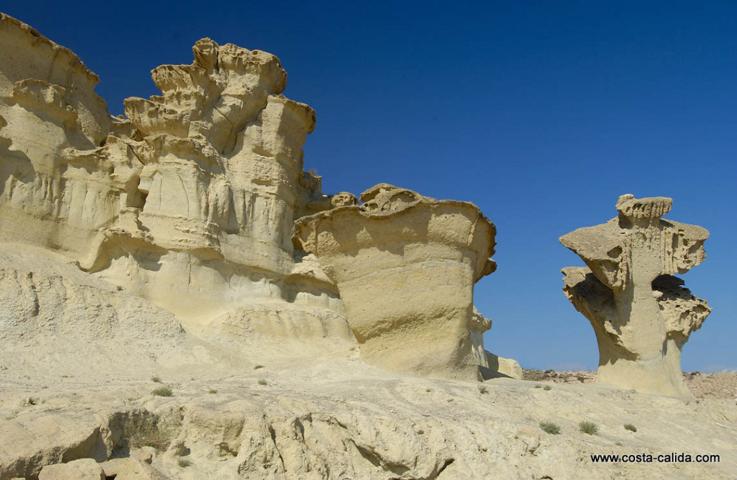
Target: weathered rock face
(491, 365)
(222, 154)
(405, 266)
(49, 114)
(157, 323)
(83, 469)
(188, 200)
(642, 315)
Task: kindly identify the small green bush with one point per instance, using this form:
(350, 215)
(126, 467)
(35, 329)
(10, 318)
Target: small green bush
(547, 387)
(630, 427)
(212, 390)
(588, 428)
(184, 463)
(261, 381)
(163, 392)
(156, 379)
(549, 427)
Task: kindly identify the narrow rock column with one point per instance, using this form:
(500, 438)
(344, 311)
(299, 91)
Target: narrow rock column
(642, 315)
(405, 266)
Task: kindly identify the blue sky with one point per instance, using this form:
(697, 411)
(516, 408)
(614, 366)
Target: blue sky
(541, 113)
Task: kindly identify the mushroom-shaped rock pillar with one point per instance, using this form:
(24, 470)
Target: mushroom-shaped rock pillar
(641, 314)
(405, 266)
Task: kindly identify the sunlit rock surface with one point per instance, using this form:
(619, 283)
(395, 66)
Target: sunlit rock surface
(641, 313)
(156, 321)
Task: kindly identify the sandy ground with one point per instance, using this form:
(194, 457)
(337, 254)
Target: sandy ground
(702, 385)
(340, 419)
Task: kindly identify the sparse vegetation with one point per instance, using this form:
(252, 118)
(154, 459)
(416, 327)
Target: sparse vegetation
(550, 427)
(181, 450)
(630, 427)
(588, 428)
(156, 379)
(261, 381)
(212, 391)
(547, 387)
(483, 389)
(257, 367)
(163, 392)
(184, 463)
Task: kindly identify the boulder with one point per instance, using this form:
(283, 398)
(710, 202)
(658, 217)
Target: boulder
(130, 468)
(82, 469)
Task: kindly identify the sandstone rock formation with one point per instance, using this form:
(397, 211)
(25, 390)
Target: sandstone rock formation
(405, 266)
(188, 200)
(642, 315)
(491, 365)
(157, 323)
(180, 211)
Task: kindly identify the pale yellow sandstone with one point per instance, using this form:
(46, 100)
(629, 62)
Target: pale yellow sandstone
(129, 468)
(83, 469)
(641, 313)
(405, 266)
(157, 321)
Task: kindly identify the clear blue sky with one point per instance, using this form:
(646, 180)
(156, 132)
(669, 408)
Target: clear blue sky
(541, 112)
